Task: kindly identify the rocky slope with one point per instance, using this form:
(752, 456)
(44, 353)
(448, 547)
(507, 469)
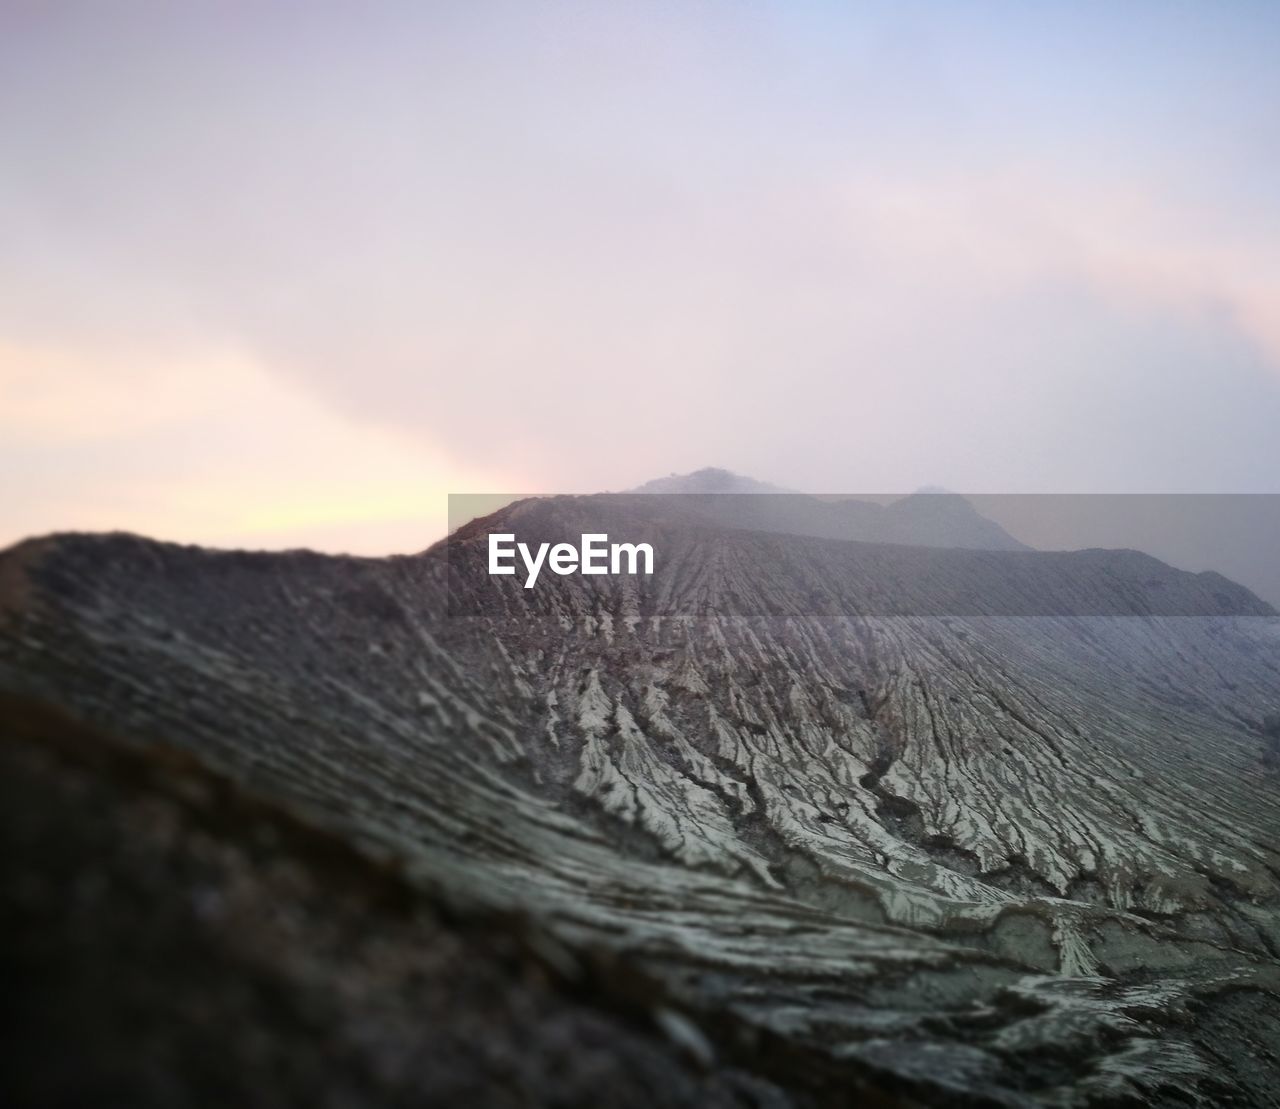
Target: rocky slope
(955, 826)
(171, 940)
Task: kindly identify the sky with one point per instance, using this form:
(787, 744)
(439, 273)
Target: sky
(282, 275)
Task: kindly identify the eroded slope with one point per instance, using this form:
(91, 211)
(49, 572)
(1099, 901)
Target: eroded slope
(989, 825)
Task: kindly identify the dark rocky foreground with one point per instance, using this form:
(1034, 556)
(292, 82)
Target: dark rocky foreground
(170, 940)
(944, 826)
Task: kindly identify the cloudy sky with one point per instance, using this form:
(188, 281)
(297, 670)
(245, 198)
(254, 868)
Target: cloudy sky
(274, 276)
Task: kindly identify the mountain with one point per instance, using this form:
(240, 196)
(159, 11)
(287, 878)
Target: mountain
(893, 824)
(928, 518)
(710, 479)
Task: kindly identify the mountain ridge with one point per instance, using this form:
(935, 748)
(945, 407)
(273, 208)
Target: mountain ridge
(794, 778)
(926, 518)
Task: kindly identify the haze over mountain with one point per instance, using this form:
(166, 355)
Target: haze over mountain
(927, 519)
(1237, 535)
(959, 826)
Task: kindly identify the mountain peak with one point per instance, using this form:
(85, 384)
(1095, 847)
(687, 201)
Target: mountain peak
(709, 479)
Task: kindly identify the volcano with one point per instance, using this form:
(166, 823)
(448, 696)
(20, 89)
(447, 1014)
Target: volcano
(819, 817)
